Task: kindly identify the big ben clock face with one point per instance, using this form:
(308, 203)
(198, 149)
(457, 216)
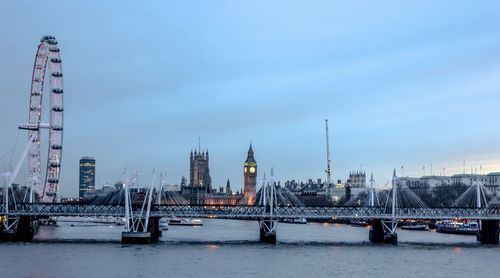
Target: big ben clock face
(252, 170)
(246, 169)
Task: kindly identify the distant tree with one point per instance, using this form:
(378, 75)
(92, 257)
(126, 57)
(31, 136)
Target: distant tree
(445, 195)
(427, 198)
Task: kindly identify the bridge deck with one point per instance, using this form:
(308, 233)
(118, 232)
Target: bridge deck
(254, 212)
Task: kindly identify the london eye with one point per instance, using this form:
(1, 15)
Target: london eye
(47, 67)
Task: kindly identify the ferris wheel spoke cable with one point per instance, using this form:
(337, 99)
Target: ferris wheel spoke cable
(11, 149)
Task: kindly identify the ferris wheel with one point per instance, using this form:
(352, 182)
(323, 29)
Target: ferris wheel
(47, 59)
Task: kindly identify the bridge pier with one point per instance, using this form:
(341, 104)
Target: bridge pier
(379, 233)
(154, 228)
(21, 228)
(142, 235)
(376, 233)
(268, 230)
(488, 233)
(130, 237)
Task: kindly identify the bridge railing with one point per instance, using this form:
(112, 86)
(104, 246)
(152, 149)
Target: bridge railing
(61, 209)
(253, 212)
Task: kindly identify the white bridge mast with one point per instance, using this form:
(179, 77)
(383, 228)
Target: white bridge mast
(372, 192)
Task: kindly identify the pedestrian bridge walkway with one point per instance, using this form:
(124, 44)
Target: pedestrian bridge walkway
(256, 212)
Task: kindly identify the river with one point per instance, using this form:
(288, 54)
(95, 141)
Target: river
(230, 248)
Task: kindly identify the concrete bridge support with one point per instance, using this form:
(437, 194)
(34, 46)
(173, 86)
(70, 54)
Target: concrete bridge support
(142, 235)
(376, 233)
(136, 238)
(488, 234)
(268, 230)
(26, 228)
(21, 229)
(154, 228)
(379, 233)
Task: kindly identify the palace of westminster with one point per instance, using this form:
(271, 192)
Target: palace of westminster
(199, 191)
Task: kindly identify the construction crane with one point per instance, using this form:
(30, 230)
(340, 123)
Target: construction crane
(328, 161)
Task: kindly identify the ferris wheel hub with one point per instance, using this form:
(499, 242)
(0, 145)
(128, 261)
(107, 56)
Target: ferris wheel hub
(34, 126)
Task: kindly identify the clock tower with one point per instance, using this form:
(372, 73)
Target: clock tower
(250, 175)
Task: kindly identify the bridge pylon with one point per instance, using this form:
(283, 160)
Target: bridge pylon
(140, 227)
(479, 197)
(488, 229)
(384, 230)
(268, 222)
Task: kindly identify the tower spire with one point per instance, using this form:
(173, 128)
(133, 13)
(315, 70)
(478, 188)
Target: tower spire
(250, 157)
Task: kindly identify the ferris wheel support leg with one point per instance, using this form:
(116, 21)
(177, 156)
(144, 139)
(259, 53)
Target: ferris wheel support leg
(21, 160)
(13, 175)
(10, 223)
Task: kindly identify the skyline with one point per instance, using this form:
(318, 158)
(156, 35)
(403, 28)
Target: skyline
(408, 84)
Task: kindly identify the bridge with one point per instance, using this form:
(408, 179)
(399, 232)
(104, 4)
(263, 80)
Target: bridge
(19, 216)
(143, 215)
(273, 203)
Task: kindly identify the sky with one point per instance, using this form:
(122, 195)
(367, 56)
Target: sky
(402, 83)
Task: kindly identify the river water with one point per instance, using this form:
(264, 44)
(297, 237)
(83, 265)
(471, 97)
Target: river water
(230, 248)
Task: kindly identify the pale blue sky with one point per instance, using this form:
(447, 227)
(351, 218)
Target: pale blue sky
(402, 82)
